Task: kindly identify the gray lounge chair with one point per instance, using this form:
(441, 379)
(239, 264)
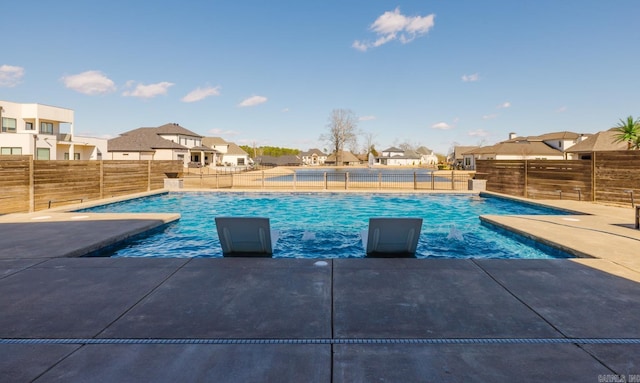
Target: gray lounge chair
(246, 236)
(392, 237)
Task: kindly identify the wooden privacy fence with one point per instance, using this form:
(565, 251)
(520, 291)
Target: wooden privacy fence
(606, 177)
(28, 185)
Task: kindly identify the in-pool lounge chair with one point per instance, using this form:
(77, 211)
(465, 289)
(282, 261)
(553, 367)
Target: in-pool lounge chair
(392, 237)
(246, 236)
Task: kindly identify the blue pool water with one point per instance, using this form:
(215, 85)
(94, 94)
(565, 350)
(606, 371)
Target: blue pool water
(327, 225)
(373, 175)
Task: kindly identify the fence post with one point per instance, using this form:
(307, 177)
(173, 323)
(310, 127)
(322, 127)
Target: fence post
(32, 197)
(263, 179)
(101, 179)
(346, 180)
(294, 180)
(526, 179)
(325, 181)
(433, 181)
(415, 181)
(148, 175)
(379, 180)
(593, 178)
(453, 185)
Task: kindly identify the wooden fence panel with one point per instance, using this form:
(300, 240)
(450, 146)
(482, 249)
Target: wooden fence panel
(125, 177)
(553, 179)
(58, 183)
(617, 176)
(506, 177)
(14, 184)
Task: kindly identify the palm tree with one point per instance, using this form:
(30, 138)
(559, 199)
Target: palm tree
(628, 131)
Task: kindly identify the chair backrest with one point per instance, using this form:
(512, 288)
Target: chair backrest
(244, 236)
(392, 236)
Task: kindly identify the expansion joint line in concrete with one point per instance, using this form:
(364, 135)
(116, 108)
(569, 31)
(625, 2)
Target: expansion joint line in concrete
(242, 341)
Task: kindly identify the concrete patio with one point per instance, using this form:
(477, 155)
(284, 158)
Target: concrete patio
(311, 320)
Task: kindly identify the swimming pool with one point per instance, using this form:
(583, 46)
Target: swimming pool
(327, 225)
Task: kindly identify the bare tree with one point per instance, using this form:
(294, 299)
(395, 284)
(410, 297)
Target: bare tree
(369, 144)
(342, 131)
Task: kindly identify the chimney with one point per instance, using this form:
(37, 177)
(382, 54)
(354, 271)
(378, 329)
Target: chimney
(512, 135)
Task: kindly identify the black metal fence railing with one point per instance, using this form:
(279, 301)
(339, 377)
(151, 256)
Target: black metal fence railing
(331, 180)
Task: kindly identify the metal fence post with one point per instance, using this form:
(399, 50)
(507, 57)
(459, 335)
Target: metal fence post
(415, 181)
(346, 180)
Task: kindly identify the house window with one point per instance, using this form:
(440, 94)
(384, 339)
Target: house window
(11, 151)
(240, 161)
(43, 154)
(28, 125)
(181, 157)
(76, 156)
(46, 128)
(8, 125)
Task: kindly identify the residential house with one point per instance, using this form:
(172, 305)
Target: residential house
(287, 160)
(45, 132)
(313, 157)
(599, 142)
(398, 157)
(550, 146)
(427, 156)
(457, 159)
(346, 158)
(167, 142)
(227, 153)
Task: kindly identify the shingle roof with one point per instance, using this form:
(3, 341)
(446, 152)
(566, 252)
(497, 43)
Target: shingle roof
(394, 150)
(236, 150)
(528, 148)
(141, 140)
(459, 151)
(211, 141)
(599, 142)
(346, 156)
(311, 152)
(173, 128)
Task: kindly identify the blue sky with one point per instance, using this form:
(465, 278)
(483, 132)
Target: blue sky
(429, 73)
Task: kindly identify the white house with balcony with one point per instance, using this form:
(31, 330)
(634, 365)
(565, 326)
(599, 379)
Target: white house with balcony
(45, 132)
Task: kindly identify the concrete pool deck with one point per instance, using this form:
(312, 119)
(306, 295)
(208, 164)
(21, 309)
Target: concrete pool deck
(293, 320)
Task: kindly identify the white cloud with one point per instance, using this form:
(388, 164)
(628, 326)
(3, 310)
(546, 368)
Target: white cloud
(362, 47)
(479, 133)
(201, 93)
(10, 76)
(504, 105)
(147, 91)
(91, 82)
(561, 109)
(489, 116)
(253, 101)
(441, 126)
(366, 118)
(470, 77)
(393, 25)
